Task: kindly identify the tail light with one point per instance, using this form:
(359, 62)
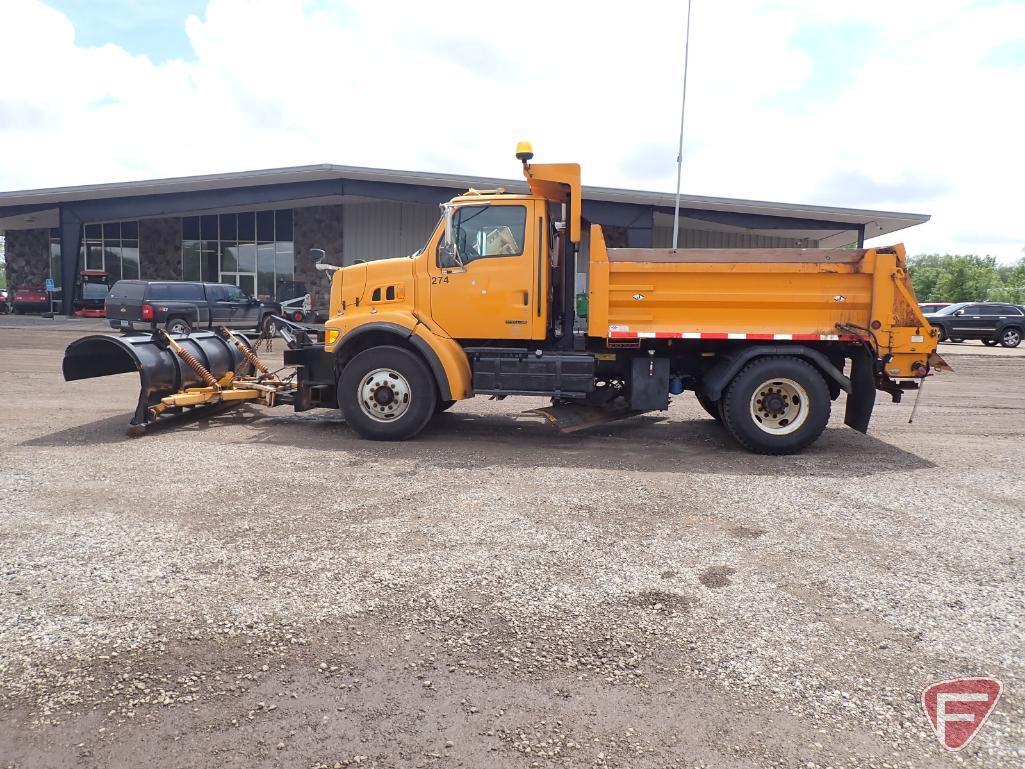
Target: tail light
(147, 312)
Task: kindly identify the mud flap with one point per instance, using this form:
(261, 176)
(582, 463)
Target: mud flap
(862, 397)
(161, 371)
(569, 417)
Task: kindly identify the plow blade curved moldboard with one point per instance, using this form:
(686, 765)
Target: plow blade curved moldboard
(161, 371)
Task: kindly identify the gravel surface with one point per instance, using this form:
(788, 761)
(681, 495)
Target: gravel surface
(265, 589)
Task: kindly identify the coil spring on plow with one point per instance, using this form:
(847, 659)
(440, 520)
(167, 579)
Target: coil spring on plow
(184, 374)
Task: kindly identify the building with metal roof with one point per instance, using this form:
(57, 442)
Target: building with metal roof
(254, 228)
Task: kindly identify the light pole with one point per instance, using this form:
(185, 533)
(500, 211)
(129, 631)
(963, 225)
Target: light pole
(683, 112)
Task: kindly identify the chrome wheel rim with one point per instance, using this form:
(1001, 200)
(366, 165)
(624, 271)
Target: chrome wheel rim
(179, 328)
(384, 395)
(1011, 337)
(779, 406)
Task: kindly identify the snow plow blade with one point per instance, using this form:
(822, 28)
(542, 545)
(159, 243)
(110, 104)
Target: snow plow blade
(162, 371)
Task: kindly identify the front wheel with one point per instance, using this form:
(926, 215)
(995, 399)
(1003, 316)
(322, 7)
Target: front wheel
(1010, 337)
(776, 405)
(387, 394)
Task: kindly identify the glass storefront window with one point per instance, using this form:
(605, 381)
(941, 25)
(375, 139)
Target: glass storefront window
(109, 246)
(253, 250)
(191, 269)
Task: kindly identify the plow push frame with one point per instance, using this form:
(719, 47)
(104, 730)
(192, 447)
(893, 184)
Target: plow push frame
(200, 373)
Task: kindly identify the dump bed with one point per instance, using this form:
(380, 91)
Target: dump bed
(799, 294)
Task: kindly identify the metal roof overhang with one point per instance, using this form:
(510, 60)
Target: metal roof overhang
(309, 185)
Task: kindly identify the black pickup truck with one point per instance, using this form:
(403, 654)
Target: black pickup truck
(181, 307)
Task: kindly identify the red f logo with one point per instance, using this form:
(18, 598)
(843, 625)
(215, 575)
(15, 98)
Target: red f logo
(958, 708)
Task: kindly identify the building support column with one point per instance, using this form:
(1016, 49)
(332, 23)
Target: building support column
(71, 246)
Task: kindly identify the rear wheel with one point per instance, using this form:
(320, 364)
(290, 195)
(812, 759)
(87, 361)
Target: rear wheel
(941, 334)
(387, 394)
(267, 327)
(990, 342)
(709, 405)
(956, 339)
(776, 405)
(178, 326)
(1010, 337)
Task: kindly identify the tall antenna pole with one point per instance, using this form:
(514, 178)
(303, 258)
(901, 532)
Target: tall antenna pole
(679, 152)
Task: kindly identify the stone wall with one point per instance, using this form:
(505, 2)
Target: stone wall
(160, 248)
(28, 257)
(317, 227)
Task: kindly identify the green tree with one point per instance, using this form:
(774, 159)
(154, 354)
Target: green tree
(956, 277)
(1011, 284)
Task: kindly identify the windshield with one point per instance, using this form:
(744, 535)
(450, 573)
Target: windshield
(94, 290)
(440, 224)
(949, 309)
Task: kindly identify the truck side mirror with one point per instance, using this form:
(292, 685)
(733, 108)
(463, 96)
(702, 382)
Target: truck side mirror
(448, 246)
(318, 255)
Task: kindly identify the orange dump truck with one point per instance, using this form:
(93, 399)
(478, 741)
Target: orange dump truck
(766, 339)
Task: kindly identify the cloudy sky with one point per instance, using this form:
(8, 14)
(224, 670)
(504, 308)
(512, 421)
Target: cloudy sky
(890, 104)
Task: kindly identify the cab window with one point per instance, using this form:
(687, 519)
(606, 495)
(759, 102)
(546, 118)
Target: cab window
(485, 232)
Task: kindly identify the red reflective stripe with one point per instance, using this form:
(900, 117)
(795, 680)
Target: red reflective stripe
(732, 335)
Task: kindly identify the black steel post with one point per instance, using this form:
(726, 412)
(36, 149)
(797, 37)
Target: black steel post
(71, 245)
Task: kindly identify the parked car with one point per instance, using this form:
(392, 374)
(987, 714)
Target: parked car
(25, 300)
(5, 307)
(181, 307)
(931, 307)
(992, 322)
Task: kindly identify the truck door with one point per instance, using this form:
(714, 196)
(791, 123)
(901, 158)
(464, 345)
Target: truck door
(493, 294)
(220, 306)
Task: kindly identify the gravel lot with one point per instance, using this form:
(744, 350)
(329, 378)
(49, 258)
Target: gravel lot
(264, 589)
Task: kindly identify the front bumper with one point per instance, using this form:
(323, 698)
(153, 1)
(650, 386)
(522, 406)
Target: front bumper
(316, 377)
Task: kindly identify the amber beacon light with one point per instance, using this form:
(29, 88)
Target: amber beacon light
(524, 151)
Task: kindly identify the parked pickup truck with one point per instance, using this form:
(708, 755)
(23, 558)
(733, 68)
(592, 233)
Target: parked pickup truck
(181, 307)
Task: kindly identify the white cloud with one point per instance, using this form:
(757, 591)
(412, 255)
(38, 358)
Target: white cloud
(919, 122)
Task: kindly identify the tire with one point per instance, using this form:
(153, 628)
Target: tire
(941, 334)
(178, 326)
(1010, 337)
(443, 406)
(709, 405)
(396, 415)
(267, 326)
(299, 316)
(956, 340)
(991, 342)
(795, 386)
